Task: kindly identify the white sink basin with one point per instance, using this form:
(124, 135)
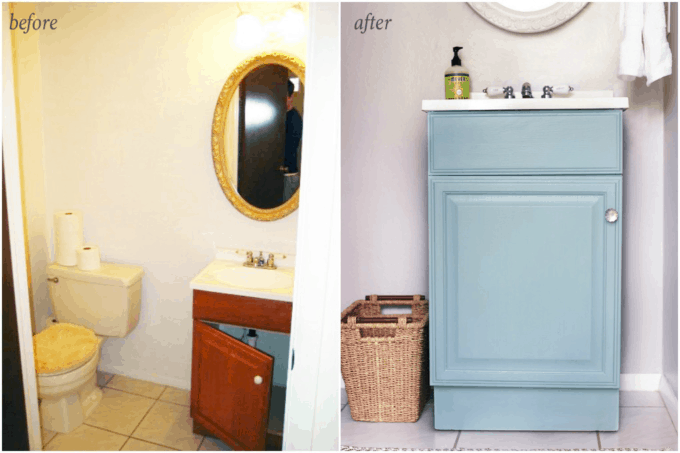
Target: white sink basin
(254, 278)
(576, 100)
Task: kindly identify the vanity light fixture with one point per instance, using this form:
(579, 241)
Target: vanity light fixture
(252, 32)
(293, 24)
(249, 30)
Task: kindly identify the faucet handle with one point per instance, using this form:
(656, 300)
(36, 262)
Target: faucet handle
(249, 259)
(562, 89)
(493, 91)
(557, 89)
(270, 262)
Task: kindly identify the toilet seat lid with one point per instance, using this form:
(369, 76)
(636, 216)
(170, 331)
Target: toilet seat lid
(63, 347)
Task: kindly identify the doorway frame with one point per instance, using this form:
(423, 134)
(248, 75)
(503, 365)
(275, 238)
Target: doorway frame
(19, 252)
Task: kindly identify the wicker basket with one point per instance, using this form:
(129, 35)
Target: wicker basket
(384, 359)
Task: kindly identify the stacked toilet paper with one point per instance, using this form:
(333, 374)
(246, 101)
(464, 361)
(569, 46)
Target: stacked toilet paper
(88, 257)
(68, 240)
(68, 236)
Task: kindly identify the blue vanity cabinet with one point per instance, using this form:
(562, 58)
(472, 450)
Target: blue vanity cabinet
(525, 265)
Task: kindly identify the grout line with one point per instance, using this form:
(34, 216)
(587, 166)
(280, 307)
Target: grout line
(672, 422)
(458, 437)
(155, 443)
(201, 444)
(124, 443)
(161, 394)
(106, 429)
(48, 442)
(130, 393)
(142, 419)
(176, 404)
(599, 444)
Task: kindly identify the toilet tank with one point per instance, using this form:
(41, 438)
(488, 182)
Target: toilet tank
(106, 300)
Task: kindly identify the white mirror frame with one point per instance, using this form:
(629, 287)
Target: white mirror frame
(527, 22)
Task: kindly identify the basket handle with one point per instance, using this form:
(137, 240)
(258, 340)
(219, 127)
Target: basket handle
(353, 320)
(375, 297)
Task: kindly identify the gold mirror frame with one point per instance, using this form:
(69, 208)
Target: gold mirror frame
(218, 138)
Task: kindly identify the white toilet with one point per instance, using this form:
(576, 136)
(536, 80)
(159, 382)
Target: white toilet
(107, 301)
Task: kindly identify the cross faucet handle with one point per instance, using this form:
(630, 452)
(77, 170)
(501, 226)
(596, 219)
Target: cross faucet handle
(270, 262)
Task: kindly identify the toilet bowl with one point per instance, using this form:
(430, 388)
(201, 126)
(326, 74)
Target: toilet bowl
(89, 306)
(68, 397)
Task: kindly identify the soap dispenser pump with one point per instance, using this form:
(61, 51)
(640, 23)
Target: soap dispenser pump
(457, 79)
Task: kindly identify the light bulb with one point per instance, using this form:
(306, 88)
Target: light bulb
(293, 26)
(249, 31)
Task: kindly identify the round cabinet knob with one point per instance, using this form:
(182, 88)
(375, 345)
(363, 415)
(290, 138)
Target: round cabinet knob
(611, 215)
(258, 380)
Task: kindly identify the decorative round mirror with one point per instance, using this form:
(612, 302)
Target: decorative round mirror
(256, 135)
(527, 17)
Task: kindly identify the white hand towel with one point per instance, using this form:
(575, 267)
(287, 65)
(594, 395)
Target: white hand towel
(658, 58)
(631, 57)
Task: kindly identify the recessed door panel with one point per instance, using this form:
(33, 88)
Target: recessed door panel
(523, 281)
(231, 388)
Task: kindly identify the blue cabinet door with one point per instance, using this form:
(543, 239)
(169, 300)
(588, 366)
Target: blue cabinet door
(524, 281)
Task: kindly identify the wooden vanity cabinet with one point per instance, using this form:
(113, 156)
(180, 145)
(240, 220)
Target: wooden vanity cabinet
(231, 382)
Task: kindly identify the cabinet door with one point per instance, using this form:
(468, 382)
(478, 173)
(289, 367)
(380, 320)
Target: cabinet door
(525, 281)
(227, 398)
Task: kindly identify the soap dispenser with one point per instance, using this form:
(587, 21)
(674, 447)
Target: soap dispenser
(457, 79)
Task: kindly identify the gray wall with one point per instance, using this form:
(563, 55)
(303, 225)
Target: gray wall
(386, 75)
(670, 201)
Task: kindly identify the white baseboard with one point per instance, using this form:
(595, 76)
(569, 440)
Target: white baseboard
(640, 382)
(156, 379)
(670, 399)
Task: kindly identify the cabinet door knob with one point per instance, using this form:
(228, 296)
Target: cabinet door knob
(258, 380)
(611, 215)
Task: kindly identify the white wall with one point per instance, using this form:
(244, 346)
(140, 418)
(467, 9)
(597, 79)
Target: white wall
(670, 232)
(129, 92)
(386, 75)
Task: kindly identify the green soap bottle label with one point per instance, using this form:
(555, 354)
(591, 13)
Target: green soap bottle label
(457, 86)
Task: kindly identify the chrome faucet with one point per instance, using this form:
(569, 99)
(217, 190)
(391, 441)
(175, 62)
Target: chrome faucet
(526, 90)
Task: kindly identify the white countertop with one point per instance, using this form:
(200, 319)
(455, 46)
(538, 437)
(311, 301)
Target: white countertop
(576, 100)
(206, 281)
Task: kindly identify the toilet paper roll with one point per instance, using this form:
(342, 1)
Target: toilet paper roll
(68, 235)
(88, 257)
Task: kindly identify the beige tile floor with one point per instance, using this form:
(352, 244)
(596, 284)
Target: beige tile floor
(644, 423)
(135, 415)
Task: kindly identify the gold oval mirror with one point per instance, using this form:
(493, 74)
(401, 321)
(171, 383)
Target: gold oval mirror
(256, 135)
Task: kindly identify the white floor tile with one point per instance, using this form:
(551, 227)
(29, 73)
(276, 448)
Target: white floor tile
(212, 444)
(140, 445)
(86, 438)
(119, 412)
(170, 425)
(527, 440)
(47, 436)
(642, 427)
(396, 435)
(638, 398)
